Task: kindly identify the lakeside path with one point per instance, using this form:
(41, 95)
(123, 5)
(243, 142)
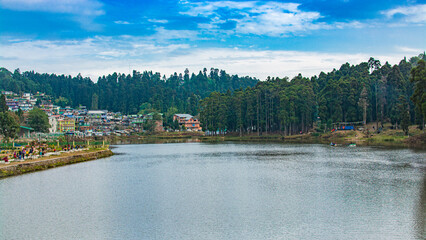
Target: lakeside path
(17, 168)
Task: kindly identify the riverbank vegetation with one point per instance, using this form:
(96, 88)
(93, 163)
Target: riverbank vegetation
(366, 97)
(129, 93)
(358, 94)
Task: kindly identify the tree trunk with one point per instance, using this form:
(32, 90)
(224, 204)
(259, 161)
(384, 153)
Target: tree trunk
(377, 114)
(258, 102)
(365, 113)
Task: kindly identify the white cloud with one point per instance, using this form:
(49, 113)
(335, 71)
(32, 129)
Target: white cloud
(260, 18)
(98, 56)
(163, 35)
(163, 21)
(78, 7)
(411, 14)
(409, 50)
(122, 22)
(82, 11)
(210, 8)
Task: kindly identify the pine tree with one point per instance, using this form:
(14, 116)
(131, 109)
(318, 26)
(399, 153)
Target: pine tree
(3, 106)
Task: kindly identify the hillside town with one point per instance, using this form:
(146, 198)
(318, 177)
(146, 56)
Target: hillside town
(84, 122)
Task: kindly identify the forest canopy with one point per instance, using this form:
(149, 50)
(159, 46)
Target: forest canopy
(369, 91)
(364, 93)
(126, 93)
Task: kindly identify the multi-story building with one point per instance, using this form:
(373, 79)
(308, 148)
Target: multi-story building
(12, 104)
(53, 121)
(66, 125)
(25, 105)
(188, 121)
(8, 93)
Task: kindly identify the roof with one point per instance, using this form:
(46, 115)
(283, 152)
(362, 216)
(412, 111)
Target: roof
(27, 128)
(97, 112)
(137, 122)
(184, 115)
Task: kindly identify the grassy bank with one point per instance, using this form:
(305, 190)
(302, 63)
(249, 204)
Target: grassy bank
(389, 137)
(164, 137)
(17, 168)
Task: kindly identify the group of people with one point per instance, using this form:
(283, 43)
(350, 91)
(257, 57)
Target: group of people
(71, 147)
(37, 150)
(29, 151)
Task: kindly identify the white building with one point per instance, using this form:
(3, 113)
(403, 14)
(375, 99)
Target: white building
(53, 121)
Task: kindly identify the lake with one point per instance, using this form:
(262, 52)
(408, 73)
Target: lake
(223, 191)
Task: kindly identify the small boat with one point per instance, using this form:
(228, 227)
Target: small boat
(352, 145)
(333, 144)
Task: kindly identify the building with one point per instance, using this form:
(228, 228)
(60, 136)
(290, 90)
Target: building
(188, 121)
(84, 126)
(12, 104)
(66, 125)
(158, 126)
(25, 131)
(25, 105)
(53, 121)
(97, 114)
(8, 93)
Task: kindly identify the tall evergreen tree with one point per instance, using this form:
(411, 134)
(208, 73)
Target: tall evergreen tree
(418, 77)
(3, 106)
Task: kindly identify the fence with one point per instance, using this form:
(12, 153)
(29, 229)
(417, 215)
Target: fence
(54, 144)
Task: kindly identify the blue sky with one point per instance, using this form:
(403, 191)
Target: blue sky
(255, 38)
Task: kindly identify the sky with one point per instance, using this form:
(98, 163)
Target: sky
(248, 38)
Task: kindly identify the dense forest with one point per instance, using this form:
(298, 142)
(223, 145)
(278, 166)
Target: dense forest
(365, 92)
(127, 94)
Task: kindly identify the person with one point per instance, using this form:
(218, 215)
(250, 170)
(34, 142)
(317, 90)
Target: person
(6, 159)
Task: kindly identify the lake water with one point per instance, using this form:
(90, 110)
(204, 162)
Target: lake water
(223, 191)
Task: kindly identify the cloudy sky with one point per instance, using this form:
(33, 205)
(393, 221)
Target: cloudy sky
(255, 38)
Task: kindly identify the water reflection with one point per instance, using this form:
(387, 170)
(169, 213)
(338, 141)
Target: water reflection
(222, 191)
(421, 211)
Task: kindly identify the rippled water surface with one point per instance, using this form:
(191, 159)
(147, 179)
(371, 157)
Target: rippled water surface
(223, 191)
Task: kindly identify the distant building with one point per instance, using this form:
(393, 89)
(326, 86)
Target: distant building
(66, 125)
(25, 131)
(53, 121)
(25, 105)
(158, 126)
(7, 93)
(188, 121)
(84, 127)
(100, 114)
(26, 95)
(12, 104)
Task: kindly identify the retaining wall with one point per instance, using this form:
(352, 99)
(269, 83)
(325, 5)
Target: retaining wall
(25, 167)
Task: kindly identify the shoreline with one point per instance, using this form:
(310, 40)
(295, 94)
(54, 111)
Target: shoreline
(18, 168)
(340, 138)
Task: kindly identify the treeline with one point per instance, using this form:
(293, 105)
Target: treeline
(365, 92)
(127, 93)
